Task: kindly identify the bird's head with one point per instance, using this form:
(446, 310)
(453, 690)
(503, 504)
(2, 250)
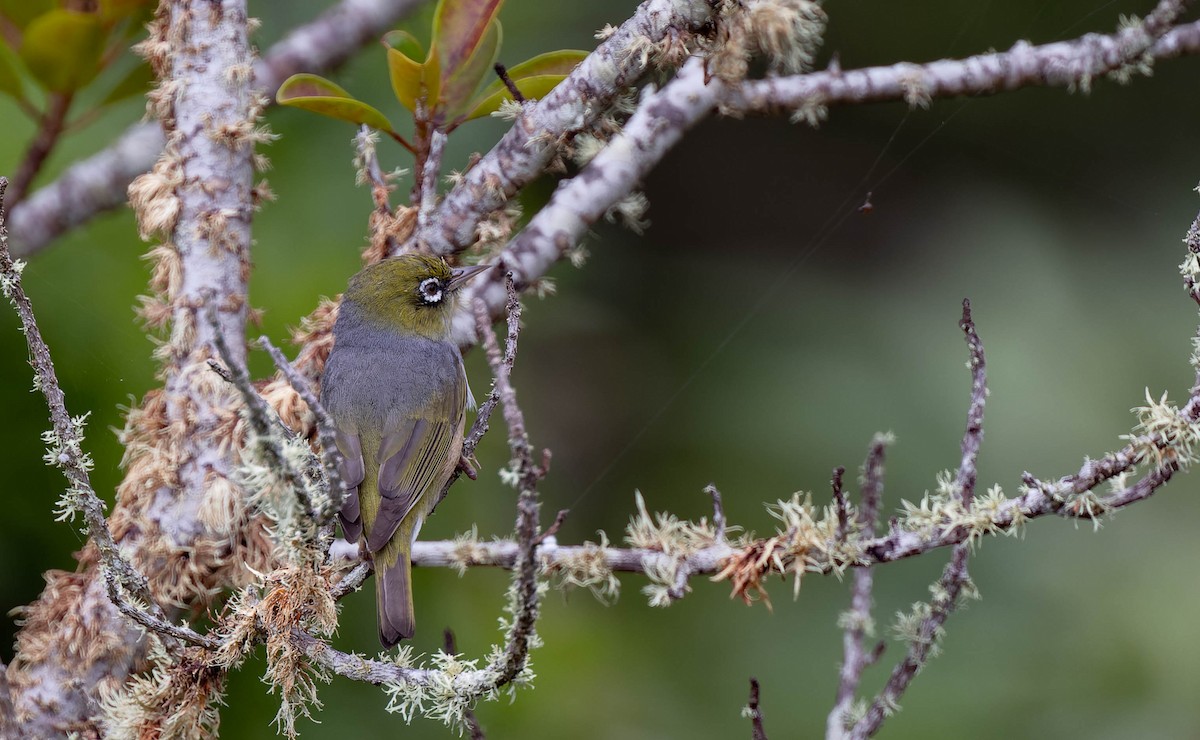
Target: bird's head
(411, 294)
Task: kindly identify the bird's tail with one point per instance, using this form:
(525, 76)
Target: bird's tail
(393, 593)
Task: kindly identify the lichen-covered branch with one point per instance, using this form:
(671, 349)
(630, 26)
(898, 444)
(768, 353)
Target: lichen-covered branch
(451, 686)
(523, 153)
(265, 434)
(179, 502)
(857, 623)
(924, 626)
(923, 629)
(1071, 64)
(664, 115)
(914, 535)
(326, 436)
(97, 184)
(122, 582)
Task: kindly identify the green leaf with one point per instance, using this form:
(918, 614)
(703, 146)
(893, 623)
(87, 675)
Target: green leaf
(535, 78)
(21, 12)
(405, 72)
(403, 42)
(558, 63)
(531, 88)
(135, 82)
(459, 27)
(10, 75)
(459, 87)
(319, 95)
(62, 49)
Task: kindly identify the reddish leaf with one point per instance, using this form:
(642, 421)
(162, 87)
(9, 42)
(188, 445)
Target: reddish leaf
(458, 89)
(459, 27)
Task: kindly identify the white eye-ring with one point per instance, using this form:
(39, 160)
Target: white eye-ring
(431, 291)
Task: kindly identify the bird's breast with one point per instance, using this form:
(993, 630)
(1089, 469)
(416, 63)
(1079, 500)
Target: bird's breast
(372, 375)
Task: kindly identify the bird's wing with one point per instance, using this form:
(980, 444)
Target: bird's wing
(414, 458)
(352, 471)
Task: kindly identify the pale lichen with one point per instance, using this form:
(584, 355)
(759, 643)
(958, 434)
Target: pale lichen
(588, 568)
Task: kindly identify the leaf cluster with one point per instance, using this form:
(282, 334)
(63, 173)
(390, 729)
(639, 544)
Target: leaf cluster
(59, 47)
(440, 86)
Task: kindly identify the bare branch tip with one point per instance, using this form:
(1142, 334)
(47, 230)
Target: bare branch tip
(502, 73)
(755, 713)
(718, 510)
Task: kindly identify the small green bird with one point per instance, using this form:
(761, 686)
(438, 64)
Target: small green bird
(396, 390)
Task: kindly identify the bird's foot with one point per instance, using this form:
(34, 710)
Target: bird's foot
(467, 466)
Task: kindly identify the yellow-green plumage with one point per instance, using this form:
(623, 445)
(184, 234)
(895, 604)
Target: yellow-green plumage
(395, 388)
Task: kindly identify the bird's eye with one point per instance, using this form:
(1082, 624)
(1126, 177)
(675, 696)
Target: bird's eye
(431, 291)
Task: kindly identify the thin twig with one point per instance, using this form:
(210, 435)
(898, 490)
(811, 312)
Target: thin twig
(450, 647)
(50, 129)
(872, 484)
(955, 577)
(68, 456)
(752, 709)
(502, 73)
(369, 171)
(841, 503)
(483, 416)
(261, 417)
(552, 530)
(718, 511)
(326, 434)
(528, 475)
(973, 438)
(858, 622)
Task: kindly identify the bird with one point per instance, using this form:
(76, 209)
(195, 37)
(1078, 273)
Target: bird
(396, 392)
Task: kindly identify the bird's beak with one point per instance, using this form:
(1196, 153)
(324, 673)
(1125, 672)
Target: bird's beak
(459, 276)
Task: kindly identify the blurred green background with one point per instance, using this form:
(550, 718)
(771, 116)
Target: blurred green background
(756, 336)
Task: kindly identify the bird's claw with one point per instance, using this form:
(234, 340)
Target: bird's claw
(467, 468)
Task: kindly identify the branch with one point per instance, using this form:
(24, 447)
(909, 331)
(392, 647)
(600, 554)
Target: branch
(97, 184)
(922, 646)
(1070, 64)
(66, 453)
(381, 222)
(502, 72)
(50, 128)
(574, 104)
(858, 623)
(897, 545)
(263, 421)
(666, 114)
(431, 167)
(326, 434)
(755, 714)
(973, 437)
(178, 504)
(953, 586)
(483, 417)
(450, 647)
(527, 475)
